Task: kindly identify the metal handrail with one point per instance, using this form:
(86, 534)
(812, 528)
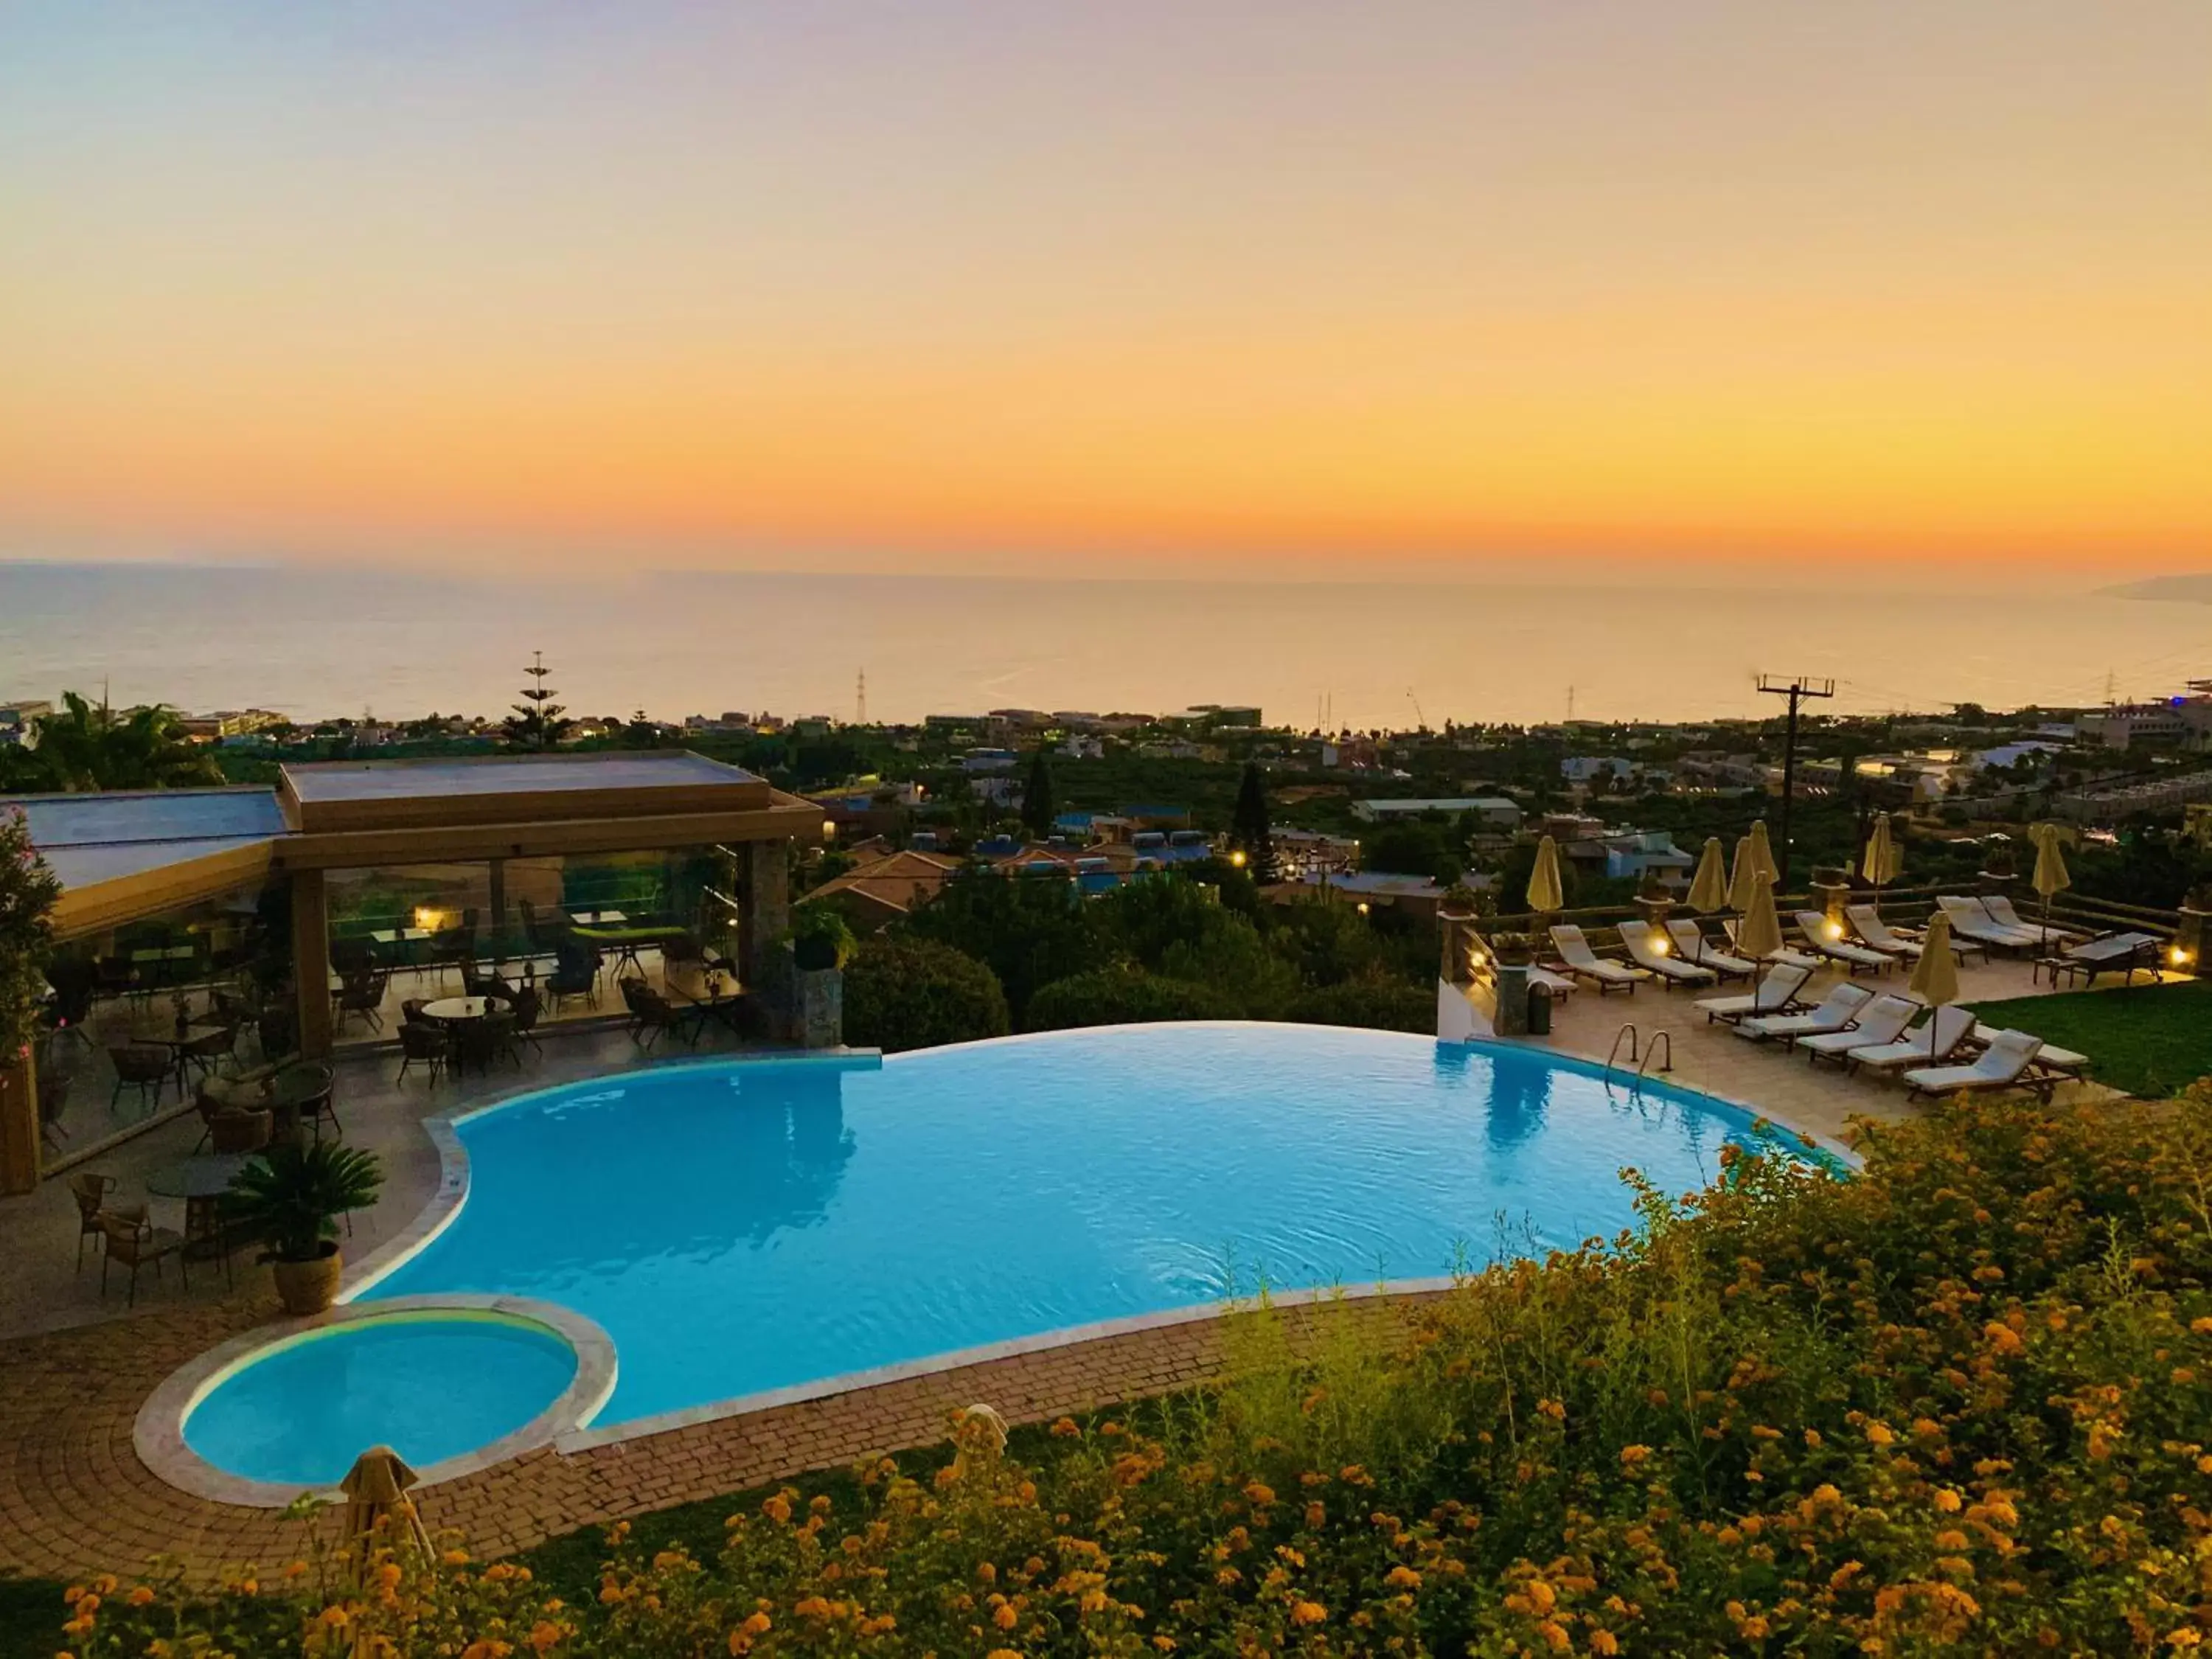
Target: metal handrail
(1613, 1052)
(1651, 1053)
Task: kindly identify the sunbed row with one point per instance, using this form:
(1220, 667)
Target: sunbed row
(1947, 1052)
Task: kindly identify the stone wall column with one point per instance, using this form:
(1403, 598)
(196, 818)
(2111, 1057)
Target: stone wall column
(763, 906)
(311, 962)
(19, 1123)
(2192, 938)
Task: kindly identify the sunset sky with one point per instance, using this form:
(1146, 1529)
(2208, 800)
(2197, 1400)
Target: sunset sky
(1030, 285)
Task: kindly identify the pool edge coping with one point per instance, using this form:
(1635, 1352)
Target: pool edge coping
(157, 1433)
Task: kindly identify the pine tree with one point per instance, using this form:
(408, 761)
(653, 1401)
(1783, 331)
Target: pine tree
(1038, 807)
(1248, 826)
(538, 722)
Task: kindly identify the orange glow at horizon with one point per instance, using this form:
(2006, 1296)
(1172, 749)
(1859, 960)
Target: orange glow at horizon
(1685, 277)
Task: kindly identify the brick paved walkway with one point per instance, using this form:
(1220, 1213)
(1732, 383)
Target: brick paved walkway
(75, 1498)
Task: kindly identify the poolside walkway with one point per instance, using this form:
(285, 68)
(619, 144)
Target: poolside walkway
(1777, 1082)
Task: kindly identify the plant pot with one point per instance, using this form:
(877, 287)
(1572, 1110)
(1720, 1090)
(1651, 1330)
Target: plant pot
(308, 1287)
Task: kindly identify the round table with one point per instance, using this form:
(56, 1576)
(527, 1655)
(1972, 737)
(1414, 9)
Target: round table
(201, 1181)
(454, 1008)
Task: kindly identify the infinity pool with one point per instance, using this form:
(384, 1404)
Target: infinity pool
(749, 1224)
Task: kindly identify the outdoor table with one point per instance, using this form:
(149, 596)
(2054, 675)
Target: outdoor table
(201, 1181)
(167, 1037)
(459, 1013)
(599, 918)
(287, 1094)
(403, 941)
(625, 943)
(717, 1005)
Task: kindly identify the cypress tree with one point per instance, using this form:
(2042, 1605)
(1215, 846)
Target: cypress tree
(1038, 807)
(1248, 826)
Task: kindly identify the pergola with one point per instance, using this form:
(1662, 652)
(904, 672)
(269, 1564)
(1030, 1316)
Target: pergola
(128, 857)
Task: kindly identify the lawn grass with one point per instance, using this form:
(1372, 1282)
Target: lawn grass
(2151, 1040)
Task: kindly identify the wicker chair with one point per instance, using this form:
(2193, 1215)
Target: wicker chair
(143, 1066)
(652, 1016)
(90, 1190)
(136, 1242)
(424, 1042)
(362, 993)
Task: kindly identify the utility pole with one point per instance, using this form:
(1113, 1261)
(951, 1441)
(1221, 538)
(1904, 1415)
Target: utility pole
(1796, 690)
(861, 700)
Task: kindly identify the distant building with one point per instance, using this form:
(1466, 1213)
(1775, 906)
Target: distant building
(1492, 811)
(230, 723)
(884, 888)
(1080, 745)
(989, 760)
(1589, 768)
(18, 722)
(2183, 721)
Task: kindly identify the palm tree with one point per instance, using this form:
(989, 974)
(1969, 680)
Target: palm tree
(85, 748)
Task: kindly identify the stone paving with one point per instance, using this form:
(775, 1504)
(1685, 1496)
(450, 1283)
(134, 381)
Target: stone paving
(74, 1497)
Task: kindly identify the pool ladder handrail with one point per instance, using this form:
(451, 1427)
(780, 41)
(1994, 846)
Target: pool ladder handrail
(1613, 1053)
(1641, 1052)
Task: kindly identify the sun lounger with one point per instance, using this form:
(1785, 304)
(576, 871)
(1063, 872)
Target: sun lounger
(1826, 939)
(1557, 985)
(1652, 950)
(1793, 958)
(1883, 1021)
(1878, 935)
(2001, 911)
(1775, 994)
(1970, 919)
(1691, 945)
(2114, 953)
(1837, 1010)
(2063, 1061)
(2007, 1063)
(1919, 1047)
(1577, 959)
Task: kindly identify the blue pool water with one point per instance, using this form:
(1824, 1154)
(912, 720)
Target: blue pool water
(428, 1388)
(749, 1224)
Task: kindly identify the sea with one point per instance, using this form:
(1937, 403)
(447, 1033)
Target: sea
(314, 642)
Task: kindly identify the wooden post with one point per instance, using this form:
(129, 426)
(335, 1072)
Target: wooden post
(311, 962)
(19, 1123)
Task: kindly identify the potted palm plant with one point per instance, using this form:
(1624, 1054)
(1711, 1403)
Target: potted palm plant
(292, 1197)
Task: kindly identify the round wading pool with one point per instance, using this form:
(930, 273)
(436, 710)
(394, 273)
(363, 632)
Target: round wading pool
(447, 1383)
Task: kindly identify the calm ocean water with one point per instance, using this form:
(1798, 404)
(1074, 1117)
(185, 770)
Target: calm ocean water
(312, 642)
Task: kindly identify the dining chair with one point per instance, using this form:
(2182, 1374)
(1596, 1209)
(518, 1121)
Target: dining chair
(90, 1190)
(136, 1242)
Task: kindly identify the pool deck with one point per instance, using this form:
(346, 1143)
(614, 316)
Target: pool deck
(74, 1371)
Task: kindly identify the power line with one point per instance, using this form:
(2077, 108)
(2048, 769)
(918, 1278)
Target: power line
(1798, 691)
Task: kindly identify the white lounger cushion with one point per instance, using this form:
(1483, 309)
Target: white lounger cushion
(1884, 1021)
(2002, 913)
(1694, 947)
(1646, 949)
(1919, 1047)
(2059, 1059)
(1814, 927)
(1867, 921)
(1574, 951)
(1837, 1011)
(2005, 1062)
(1970, 919)
(1775, 993)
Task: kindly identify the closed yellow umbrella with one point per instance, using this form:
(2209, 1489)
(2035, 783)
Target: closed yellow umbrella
(2051, 877)
(1759, 935)
(1882, 860)
(1709, 887)
(1743, 876)
(1935, 977)
(1762, 850)
(1544, 892)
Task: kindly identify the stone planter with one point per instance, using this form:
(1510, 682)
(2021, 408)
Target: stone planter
(308, 1287)
(817, 1007)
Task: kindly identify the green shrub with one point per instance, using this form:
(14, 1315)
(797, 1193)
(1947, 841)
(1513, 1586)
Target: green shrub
(1123, 996)
(915, 994)
(1385, 1005)
(1957, 1405)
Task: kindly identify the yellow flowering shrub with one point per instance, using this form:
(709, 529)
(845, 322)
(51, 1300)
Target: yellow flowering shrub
(1947, 1405)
